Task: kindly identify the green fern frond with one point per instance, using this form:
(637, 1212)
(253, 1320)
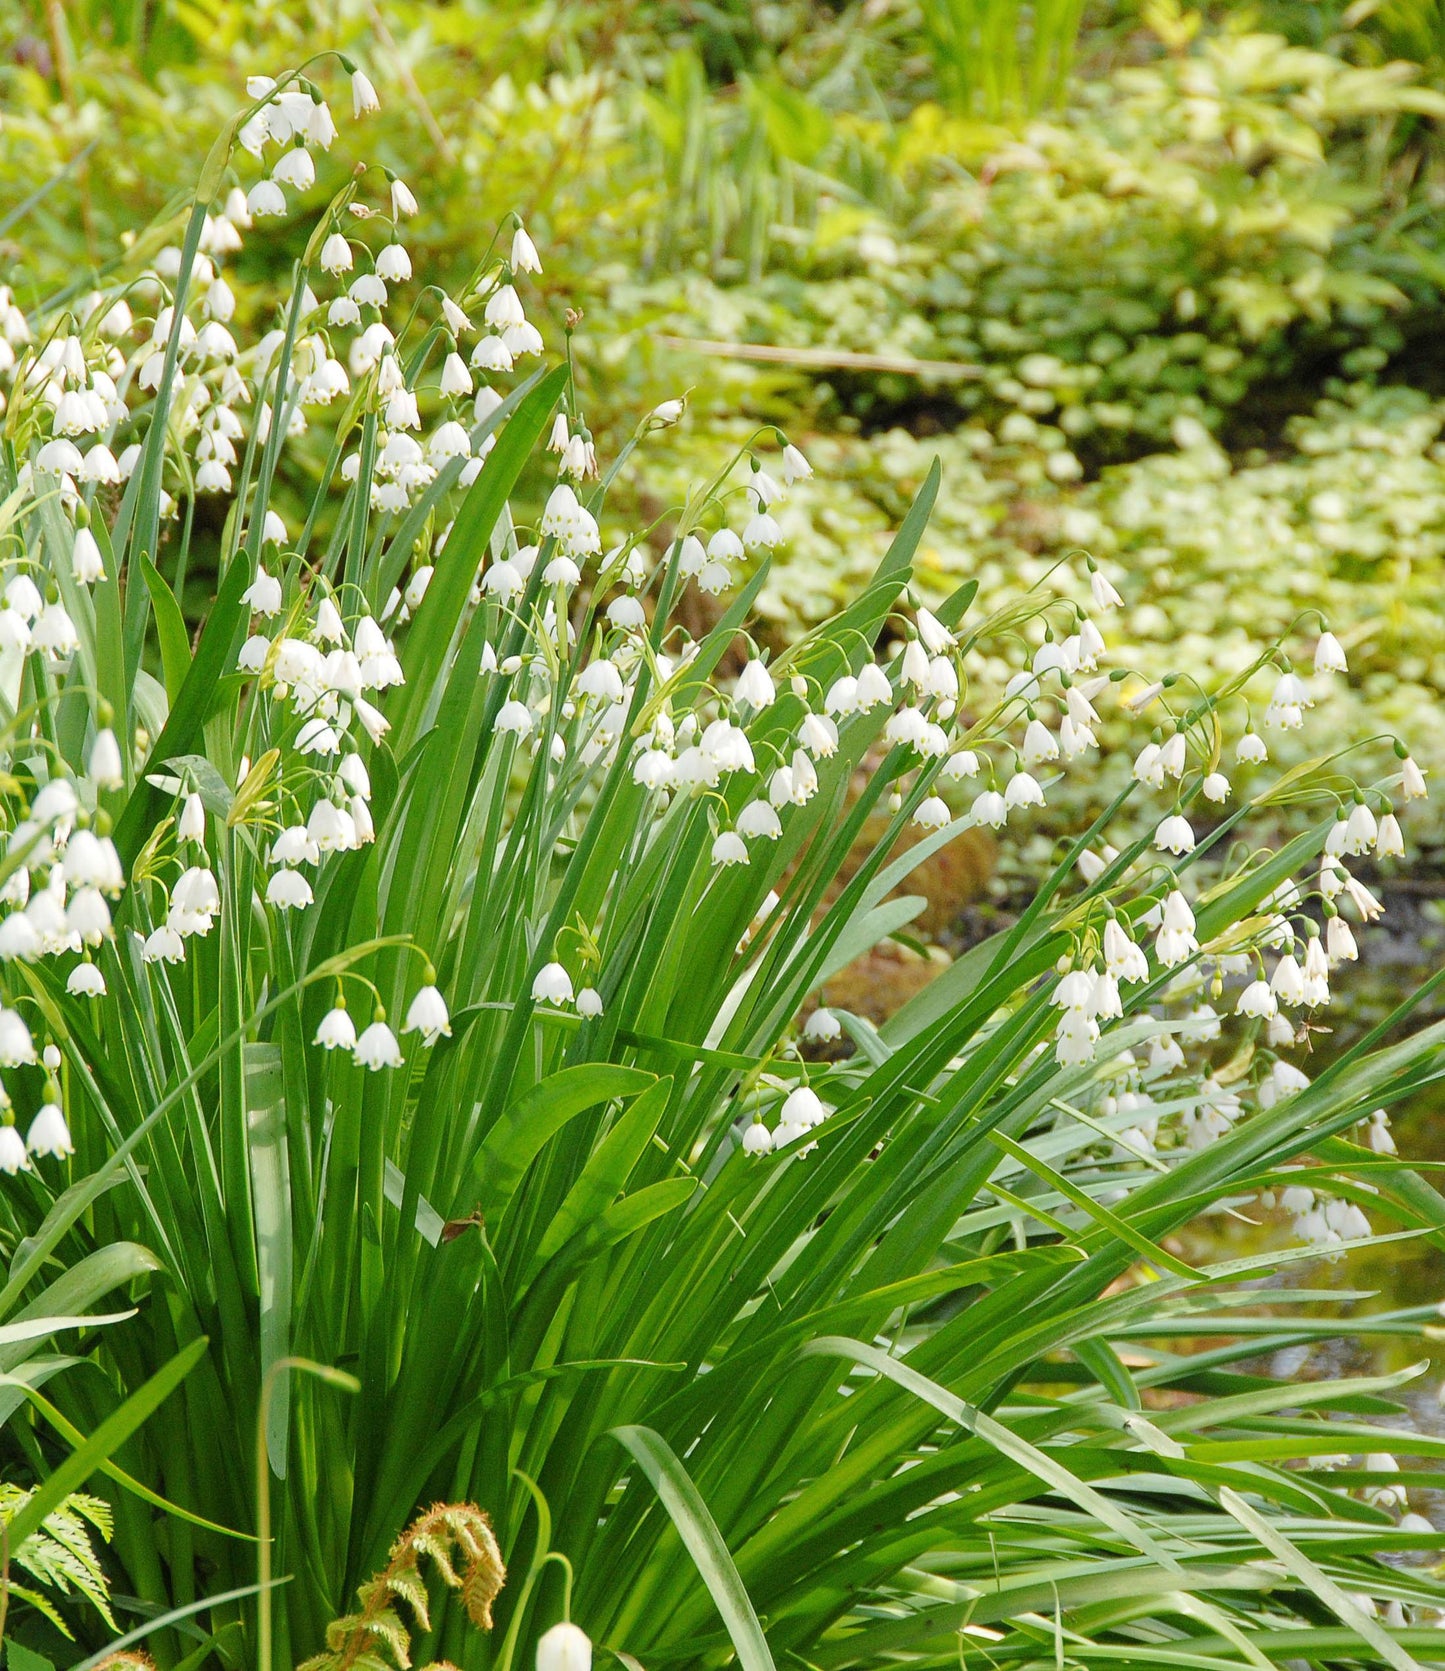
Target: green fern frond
(61, 1554)
(41, 1603)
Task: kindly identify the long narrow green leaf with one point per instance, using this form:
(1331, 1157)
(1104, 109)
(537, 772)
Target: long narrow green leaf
(703, 1541)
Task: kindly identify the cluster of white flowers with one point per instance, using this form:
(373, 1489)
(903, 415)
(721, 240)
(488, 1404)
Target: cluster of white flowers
(799, 1111)
(753, 746)
(1144, 923)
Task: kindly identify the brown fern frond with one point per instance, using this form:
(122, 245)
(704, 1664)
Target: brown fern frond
(436, 1542)
(482, 1583)
(449, 1535)
(406, 1585)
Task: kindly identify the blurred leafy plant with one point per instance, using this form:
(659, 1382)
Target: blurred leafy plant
(1001, 59)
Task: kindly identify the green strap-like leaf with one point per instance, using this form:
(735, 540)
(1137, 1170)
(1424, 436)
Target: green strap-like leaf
(436, 620)
(188, 712)
(699, 1533)
(516, 1139)
(112, 1432)
(1299, 1566)
(1003, 1439)
(170, 627)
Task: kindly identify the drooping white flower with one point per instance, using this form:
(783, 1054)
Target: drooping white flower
(1377, 1134)
(1039, 744)
(755, 685)
(294, 168)
(1287, 982)
(373, 721)
(191, 826)
(263, 595)
(393, 264)
(601, 680)
(1175, 942)
(288, 890)
(17, 1048)
(589, 1003)
(1122, 957)
(757, 818)
(49, 1134)
(265, 198)
(336, 255)
(957, 767)
(553, 985)
(1022, 790)
(1330, 655)
(1174, 835)
(802, 1107)
(54, 632)
(932, 813)
(105, 768)
(524, 253)
(1075, 1039)
(757, 1139)
(1361, 830)
(905, 727)
(86, 565)
(726, 746)
(818, 735)
(363, 94)
(330, 828)
(1075, 991)
(337, 1030)
(729, 848)
(822, 1027)
(377, 1048)
(795, 466)
(1389, 840)
(428, 1016)
(989, 809)
(1149, 766)
(12, 1151)
(1340, 944)
(163, 945)
(1257, 1000)
(85, 981)
(762, 532)
(913, 667)
(564, 1648)
(1105, 596)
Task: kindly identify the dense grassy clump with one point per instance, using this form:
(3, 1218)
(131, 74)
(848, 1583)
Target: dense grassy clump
(415, 995)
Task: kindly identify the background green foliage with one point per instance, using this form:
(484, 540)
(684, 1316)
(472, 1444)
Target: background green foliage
(1185, 304)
